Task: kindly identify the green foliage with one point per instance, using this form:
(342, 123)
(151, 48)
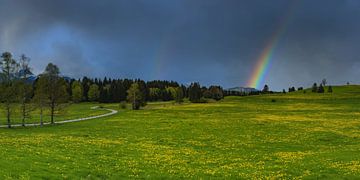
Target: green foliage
(179, 95)
(301, 136)
(195, 92)
(314, 88)
(216, 92)
(9, 68)
(94, 92)
(266, 89)
(123, 105)
(135, 96)
(171, 91)
(321, 89)
(77, 91)
(55, 89)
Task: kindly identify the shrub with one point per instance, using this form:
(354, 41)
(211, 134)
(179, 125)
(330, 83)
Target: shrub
(123, 105)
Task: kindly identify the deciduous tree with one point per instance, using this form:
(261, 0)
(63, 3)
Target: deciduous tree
(94, 92)
(9, 69)
(56, 89)
(77, 91)
(135, 96)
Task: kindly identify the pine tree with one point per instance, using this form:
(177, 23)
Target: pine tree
(330, 89)
(195, 92)
(265, 89)
(321, 89)
(314, 88)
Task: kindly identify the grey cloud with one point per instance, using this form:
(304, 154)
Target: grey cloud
(208, 41)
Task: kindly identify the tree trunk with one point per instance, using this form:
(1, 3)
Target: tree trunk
(8, 115)
(23, 114)
(52, 113)
(41, 116)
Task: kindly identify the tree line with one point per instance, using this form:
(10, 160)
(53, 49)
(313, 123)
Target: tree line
(51, 92)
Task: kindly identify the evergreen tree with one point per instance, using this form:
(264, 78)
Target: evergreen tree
(330, 90)
(324, 82)
(265, 89)
(321, 89)
(195, 92)
(85, 88)
(314, 88)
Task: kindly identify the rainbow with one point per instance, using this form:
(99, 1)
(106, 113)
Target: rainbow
(263, 63)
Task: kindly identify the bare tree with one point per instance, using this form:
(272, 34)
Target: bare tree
(324, 82)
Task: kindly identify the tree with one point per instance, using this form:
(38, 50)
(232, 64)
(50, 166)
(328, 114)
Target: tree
(207, 94)
(292, 89)
(195, 92)
(154, 94)
(324, 82)
(41, 97)
(56, 89)
(77, 91)
(94, 92)
(330, 90)
(216, 92)
(321, 89)
(179, 97)
(265, 89)
(314, 88)
(9, 69)
(172, 92)
(135, 96)
(284, 92)
(24, 88)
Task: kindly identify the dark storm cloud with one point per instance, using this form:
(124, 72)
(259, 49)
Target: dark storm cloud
(212, 41)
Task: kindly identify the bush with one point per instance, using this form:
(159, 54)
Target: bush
(123, 105)
(273, 100)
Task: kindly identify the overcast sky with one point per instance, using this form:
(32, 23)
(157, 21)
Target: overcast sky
(209, 41)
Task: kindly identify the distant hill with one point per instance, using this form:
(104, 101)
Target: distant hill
(242, 89)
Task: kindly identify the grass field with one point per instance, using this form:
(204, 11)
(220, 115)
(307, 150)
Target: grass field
(67, 112)
(298, 136)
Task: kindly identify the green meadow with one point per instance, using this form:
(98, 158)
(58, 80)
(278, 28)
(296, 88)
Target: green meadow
(281, 136)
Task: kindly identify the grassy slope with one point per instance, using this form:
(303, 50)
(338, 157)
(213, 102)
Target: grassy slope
(299, 136)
